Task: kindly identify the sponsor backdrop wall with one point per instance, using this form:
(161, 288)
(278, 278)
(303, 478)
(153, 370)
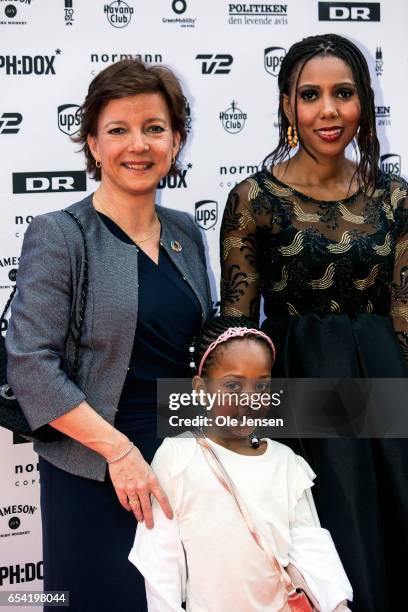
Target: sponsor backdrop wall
(227, 55)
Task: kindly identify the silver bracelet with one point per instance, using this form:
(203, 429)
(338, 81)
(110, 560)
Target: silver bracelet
(122, 455)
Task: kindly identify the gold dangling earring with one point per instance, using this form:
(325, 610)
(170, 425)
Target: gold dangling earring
(293, 138)
(98, 163)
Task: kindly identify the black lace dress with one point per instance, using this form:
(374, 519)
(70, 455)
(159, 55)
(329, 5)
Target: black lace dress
(334, 279)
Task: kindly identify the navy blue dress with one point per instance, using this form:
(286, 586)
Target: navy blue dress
(87, 534)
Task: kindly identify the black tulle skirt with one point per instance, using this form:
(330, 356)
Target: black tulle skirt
(361, 488)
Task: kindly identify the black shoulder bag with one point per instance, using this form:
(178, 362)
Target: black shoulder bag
(11, 415)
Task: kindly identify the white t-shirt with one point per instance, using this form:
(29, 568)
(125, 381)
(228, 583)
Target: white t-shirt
(206, 554)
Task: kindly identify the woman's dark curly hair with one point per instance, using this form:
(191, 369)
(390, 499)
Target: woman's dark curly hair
(211, 330)
(130, 77)
(331, 45)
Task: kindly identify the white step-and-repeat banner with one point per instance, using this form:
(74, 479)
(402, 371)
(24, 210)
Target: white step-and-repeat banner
(227, 56)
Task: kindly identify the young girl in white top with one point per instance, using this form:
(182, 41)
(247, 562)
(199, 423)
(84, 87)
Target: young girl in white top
(207, 556)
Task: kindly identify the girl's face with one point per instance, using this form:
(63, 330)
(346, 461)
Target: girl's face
(240, 370)
(328, 107)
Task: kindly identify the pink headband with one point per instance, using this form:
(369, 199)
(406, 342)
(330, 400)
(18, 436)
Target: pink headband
(235, 332)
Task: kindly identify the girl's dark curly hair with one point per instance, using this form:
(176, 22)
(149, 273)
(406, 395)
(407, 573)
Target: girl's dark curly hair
(210, 331)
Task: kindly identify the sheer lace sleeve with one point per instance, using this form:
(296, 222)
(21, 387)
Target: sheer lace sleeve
(399, 296)
(239, 275)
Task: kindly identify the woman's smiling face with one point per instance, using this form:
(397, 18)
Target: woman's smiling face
(135, 143)
(328, 106)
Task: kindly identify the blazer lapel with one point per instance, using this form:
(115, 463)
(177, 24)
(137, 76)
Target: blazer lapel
(186, 259)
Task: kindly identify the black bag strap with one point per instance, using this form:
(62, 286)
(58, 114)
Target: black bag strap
(83, 298)
(7, 306)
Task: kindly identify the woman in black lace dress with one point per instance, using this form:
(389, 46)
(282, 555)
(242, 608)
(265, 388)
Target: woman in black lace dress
(324, 241)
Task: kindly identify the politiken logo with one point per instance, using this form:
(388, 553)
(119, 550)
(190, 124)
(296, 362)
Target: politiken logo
(349, 11)
(273, 57)
(178, 181)
(379, 62)
(215, 64)
(68, 12)
(233, 119)
(69, 118)
(391, 162)
(247, 13)
(10, 123)
(29, 64)
(44, 182)
(119, 13)
(383, 115)
(206, 213)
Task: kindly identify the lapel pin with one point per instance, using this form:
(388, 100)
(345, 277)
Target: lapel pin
(176, 246)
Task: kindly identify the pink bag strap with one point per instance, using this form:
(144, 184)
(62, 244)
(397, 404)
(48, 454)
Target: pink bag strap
(224, 478)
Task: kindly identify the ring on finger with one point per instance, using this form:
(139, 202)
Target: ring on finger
(133, 501)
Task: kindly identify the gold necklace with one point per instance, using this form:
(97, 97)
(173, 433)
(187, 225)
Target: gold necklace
(137, 242)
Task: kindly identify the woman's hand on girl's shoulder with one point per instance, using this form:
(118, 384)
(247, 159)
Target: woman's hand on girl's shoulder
(134, 482)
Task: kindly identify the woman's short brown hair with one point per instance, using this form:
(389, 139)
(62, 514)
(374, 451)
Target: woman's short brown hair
(130, 77)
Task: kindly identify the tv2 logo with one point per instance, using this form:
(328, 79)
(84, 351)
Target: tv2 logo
(9, 123)
(215, 64)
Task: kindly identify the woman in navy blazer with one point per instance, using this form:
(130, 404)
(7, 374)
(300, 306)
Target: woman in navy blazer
(148, 294)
